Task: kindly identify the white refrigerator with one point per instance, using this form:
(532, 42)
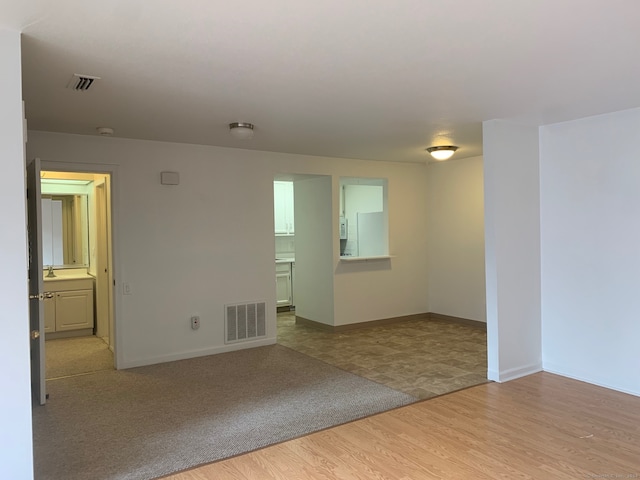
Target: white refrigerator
(371, 231)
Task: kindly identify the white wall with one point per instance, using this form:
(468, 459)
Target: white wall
(512, 249)
(590, 231)
(15, 404)
(455, 205)
(193, 247)
(382, 289)
(314, 253)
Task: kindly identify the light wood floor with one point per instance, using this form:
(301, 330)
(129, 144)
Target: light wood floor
(539, 427)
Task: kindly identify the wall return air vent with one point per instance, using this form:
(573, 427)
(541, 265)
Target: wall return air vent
(245, 322)
(81, 83)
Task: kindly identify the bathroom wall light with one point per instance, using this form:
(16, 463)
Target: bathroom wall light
(241, 130)
(442, 153)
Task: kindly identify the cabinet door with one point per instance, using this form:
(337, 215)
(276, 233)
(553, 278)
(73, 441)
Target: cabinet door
(283, 289)
(50, 314)
(288, 201)
(279, 208)
(283, 208)
(74, 310)
(293, 284)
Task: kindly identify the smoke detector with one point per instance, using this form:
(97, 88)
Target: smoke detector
(81, 83)
(104, 131)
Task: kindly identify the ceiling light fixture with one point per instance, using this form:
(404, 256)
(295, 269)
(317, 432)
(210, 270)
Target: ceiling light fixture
(104, 131)
(241, 130)
(442, 153)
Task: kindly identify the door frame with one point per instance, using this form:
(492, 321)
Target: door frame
(103, 260)
(112, 170)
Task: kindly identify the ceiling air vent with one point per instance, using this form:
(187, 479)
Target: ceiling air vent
(81, 83)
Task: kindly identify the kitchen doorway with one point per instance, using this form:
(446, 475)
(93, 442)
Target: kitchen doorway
(305, 224)
(285, 251)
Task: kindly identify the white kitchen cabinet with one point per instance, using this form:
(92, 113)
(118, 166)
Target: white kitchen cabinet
(283, 284)
(283, 208)
(70, 308)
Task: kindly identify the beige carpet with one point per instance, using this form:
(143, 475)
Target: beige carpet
(150, 421)
(76, 356)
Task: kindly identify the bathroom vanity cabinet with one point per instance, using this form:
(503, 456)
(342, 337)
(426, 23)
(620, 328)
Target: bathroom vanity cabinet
(68, 310)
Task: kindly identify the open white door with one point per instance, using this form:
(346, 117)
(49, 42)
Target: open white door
(103, 306)
(36, 295)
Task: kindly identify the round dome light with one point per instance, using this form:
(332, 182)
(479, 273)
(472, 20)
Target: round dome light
(241, 130)
(442, 153)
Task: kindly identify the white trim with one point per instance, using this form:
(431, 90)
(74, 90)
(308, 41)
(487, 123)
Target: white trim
(141, 362)
(366, 259)
(513, 373)
(112, 170)
(558, 370)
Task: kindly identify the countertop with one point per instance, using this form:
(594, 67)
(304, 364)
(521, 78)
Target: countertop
(62, 275)
(285, 260)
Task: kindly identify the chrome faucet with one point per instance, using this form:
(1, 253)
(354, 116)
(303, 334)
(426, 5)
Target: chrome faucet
(51, 274)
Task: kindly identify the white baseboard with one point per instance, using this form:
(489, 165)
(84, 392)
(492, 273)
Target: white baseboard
(141, 362)
(569, 373)
(513, 373)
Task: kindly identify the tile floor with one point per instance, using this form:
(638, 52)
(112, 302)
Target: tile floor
(423, 358)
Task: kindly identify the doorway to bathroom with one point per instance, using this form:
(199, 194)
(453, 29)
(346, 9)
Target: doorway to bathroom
(78, 275)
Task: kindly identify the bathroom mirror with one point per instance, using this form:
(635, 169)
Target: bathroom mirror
(65, 230)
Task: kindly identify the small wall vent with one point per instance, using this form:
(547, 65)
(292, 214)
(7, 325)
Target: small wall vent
(244, 322)
(81, 83)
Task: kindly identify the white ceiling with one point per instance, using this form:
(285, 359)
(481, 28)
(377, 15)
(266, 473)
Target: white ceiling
(371, 79)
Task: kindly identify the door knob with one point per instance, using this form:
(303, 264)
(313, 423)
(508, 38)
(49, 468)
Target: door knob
(41, 296)
(35, 334)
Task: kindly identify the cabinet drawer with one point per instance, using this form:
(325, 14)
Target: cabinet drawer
(60, 285)
(283, 267)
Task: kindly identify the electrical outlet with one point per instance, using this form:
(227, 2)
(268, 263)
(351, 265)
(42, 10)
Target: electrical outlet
(195, 322)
